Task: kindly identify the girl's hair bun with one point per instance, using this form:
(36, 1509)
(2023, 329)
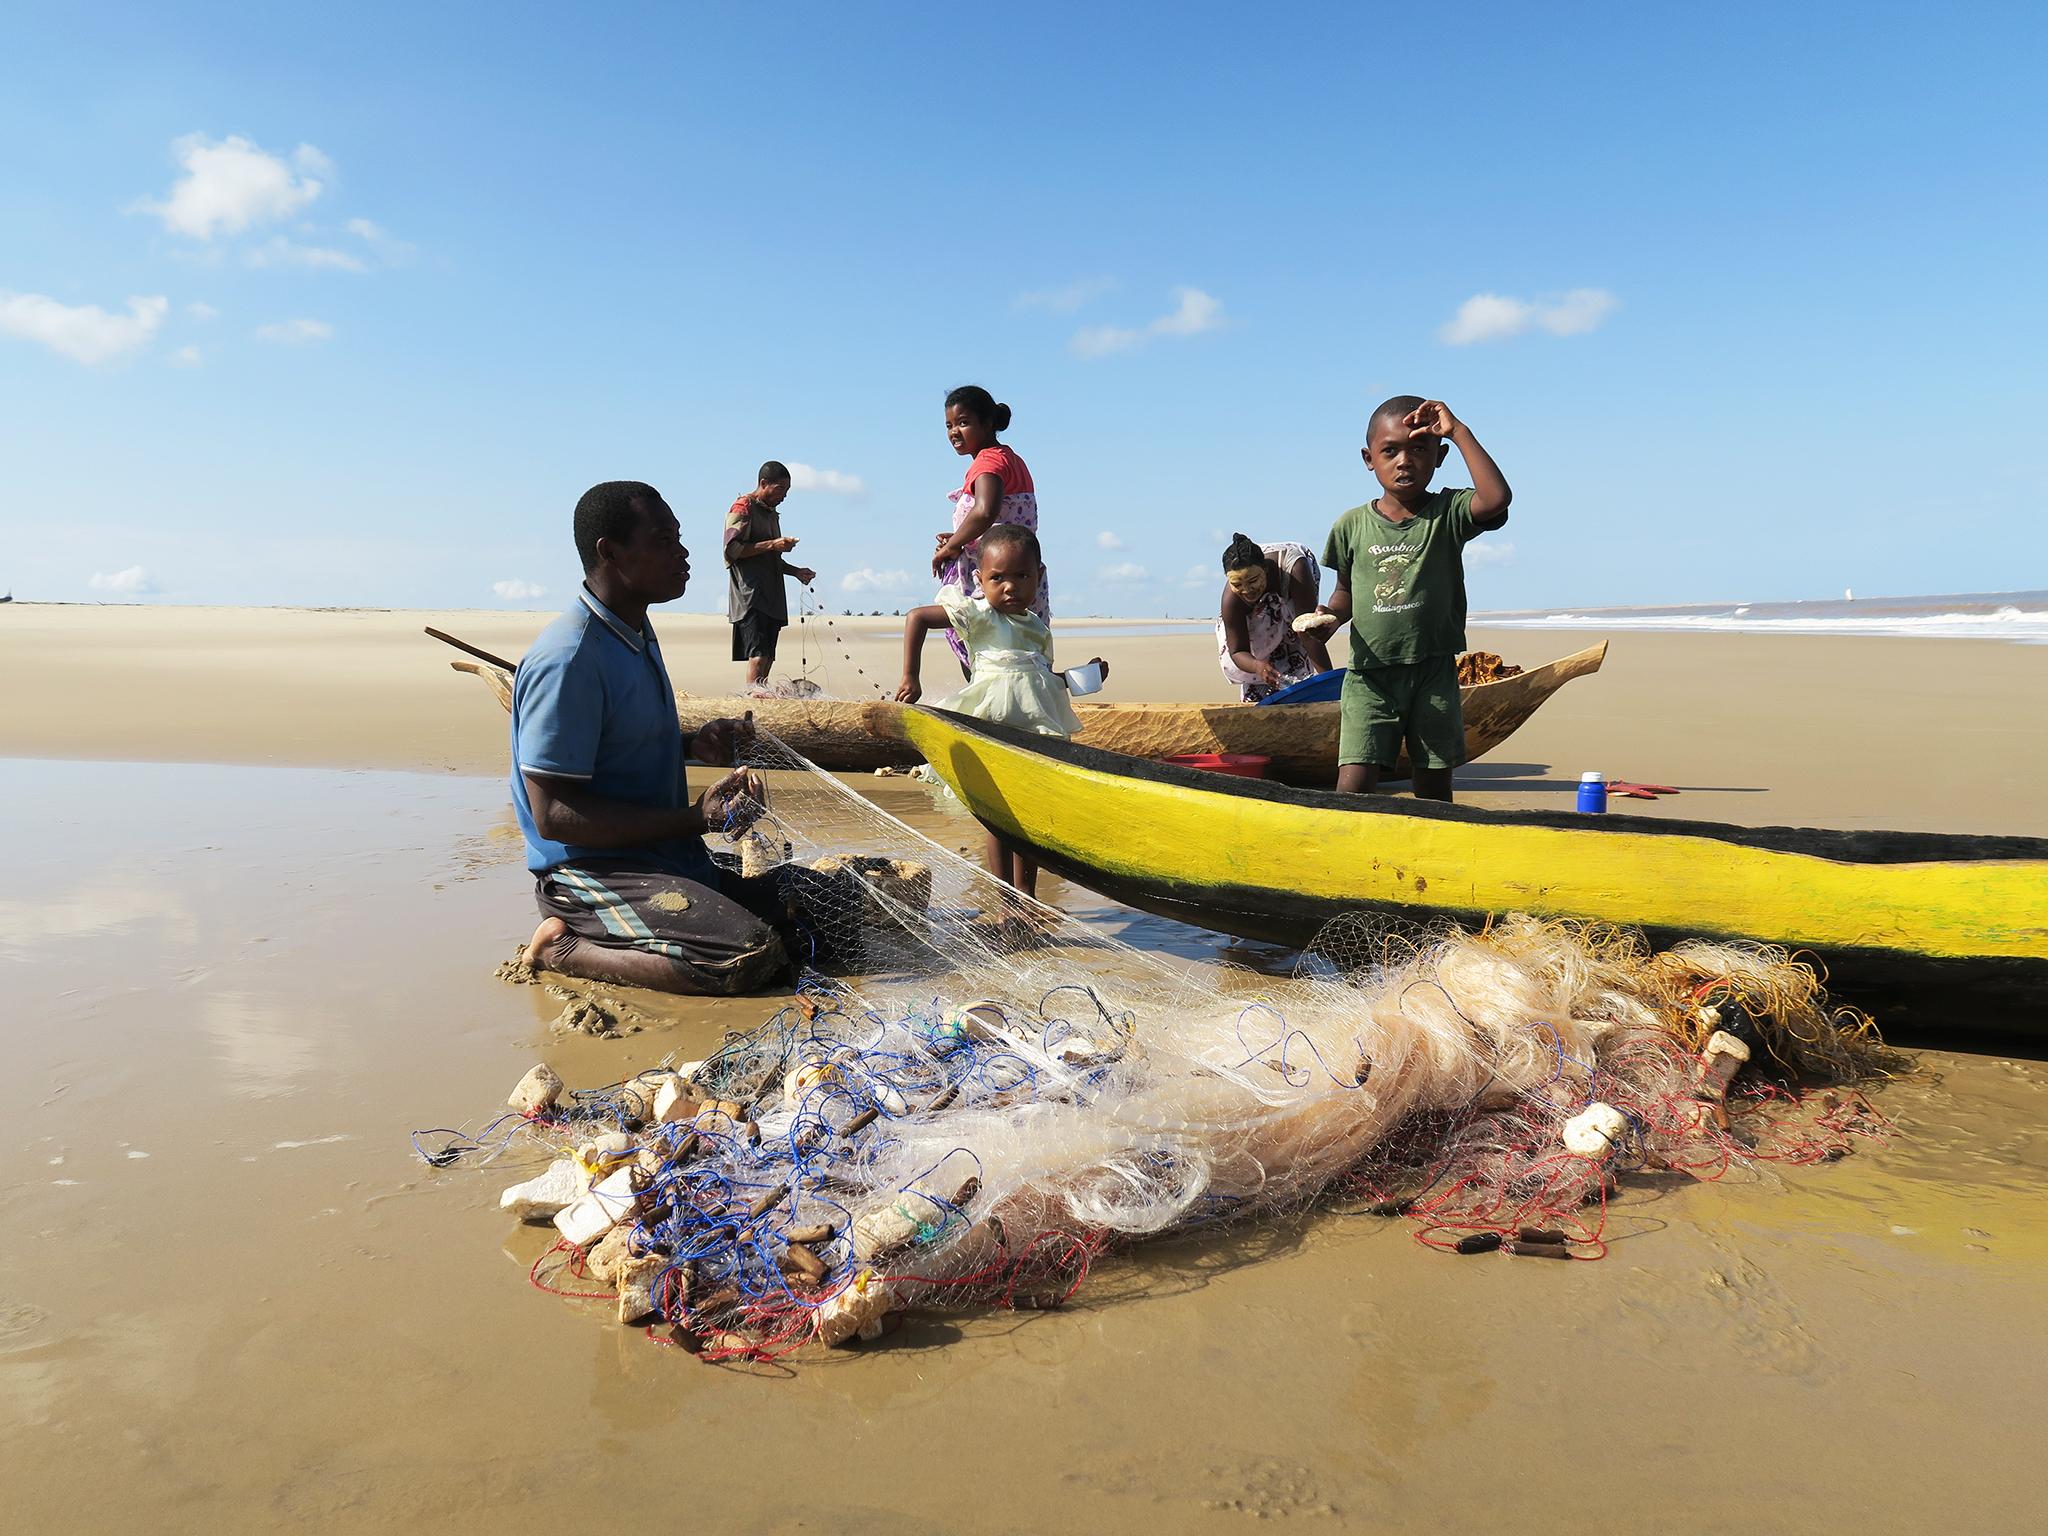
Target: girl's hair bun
(1002, 417)
(1241, 553)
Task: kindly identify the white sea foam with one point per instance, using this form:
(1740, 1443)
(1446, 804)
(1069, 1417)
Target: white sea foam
(2025, 625)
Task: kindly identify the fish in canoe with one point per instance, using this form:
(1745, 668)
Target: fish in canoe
(1299, 739)
(1925, 929)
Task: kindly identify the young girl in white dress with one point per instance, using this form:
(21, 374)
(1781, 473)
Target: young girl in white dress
(1009, 649)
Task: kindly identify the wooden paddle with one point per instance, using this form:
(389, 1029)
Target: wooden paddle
(480, 655)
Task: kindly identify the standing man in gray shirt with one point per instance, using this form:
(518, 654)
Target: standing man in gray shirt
(754, 546)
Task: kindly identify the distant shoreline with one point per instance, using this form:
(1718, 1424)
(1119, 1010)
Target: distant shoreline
(539, 610)
(1996, 613)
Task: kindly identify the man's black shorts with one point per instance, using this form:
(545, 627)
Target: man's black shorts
(756, 635)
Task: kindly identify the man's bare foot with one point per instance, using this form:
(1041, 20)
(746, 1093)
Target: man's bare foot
(537, 947)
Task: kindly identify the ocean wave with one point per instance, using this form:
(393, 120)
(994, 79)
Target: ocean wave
(2025, 625)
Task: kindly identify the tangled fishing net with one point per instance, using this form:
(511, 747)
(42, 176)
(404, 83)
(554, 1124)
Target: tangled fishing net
(991, 1095)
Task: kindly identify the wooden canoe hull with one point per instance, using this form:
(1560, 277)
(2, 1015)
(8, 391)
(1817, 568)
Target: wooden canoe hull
(1925, 929)
(833, 733)
(1301, 739)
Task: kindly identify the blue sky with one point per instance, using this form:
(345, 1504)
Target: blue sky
(347, 306)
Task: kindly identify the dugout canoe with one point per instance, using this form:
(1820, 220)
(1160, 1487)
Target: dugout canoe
(833, 733)
(1300, 739)
(1927, 929)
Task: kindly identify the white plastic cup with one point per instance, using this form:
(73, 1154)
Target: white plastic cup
(1084, 679)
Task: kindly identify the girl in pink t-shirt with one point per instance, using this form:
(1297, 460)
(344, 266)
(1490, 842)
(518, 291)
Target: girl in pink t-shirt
(997, 489)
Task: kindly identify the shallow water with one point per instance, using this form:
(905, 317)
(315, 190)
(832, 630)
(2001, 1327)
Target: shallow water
(1081, 629)
(230, 1299)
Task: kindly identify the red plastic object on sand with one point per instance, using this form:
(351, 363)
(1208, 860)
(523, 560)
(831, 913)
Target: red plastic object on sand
(1246, 765)
(1625, 790)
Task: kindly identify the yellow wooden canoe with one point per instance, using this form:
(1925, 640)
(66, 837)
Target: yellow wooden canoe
(1928, 928)
(1300, 739)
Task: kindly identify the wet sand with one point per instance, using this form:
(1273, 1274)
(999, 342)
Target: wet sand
(231, 1299)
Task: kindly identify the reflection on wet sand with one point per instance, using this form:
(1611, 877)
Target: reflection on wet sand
(255, 1050)
(278, 1318)
(108, 909)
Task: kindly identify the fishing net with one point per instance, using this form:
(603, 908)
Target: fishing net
(821, 664)
(973, 1096)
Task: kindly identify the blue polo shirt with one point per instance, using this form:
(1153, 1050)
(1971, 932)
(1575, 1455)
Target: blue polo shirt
(592, 702)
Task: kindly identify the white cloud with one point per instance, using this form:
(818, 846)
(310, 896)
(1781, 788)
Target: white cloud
(1064, 301)
(379, 239)
(1495, 316)
(133, 582)
(1100, 340)
(1488, 552)
(1193, 313)
(85, 333)
(1198, 312)
(202, 311)
(831, 481)
(232, 184)
(187, 357)
(1485, 317)
(517, 591)
(293, 332)
(1125, 573)
(1579, 311)
(280, 252)
(1199, 576)
(867, 579)
(1108, 540)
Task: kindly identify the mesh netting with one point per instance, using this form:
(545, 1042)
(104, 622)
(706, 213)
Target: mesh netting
(973, 1096)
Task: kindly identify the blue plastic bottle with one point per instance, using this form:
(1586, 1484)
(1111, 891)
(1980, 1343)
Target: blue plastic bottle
(1593, 793)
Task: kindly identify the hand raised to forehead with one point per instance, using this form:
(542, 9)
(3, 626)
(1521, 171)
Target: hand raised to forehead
(1432, 417)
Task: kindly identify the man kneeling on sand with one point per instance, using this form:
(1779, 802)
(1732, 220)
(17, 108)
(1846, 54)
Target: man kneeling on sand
(627, 890)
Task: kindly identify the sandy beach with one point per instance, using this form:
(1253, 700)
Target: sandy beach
(264, 871)
(1935, 735)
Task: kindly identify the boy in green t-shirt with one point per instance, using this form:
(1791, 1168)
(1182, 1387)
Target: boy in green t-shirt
(1403, 554)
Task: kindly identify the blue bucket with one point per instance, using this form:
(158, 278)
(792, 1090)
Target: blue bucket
(1323, 688)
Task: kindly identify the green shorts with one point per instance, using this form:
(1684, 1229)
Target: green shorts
(1416, 702)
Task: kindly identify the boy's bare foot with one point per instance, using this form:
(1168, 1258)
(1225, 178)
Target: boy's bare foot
(1020, 932)
(1027, 926)
(537, 947)
(990, 928)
